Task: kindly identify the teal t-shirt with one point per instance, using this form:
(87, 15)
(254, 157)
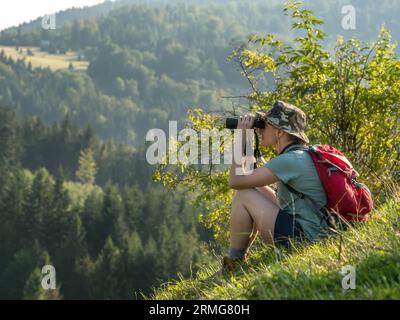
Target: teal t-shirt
(296, 168)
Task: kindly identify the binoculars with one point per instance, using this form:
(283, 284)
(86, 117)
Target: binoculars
(232, 122)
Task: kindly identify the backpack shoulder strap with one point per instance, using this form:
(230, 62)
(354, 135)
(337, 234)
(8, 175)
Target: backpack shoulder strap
(293, 190)
(290, 188)
(321, 214)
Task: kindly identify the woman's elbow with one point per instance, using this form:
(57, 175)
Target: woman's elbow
(233, 184)
(236, 185)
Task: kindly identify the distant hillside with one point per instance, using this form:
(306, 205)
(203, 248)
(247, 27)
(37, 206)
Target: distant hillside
(147, 65)
(102, 9)
(151, 61)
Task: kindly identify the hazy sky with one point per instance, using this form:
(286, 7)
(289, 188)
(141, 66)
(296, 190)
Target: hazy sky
(14, 12)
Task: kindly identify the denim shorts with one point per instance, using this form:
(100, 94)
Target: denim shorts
(287, 230)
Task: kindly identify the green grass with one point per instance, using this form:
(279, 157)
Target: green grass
(42, 59)
(311, 272)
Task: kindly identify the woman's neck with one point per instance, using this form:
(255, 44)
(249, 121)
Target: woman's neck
(279, 149)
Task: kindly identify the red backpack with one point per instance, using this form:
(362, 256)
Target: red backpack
(347, 198)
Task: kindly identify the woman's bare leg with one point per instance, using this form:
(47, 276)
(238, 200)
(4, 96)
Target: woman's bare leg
(251, 206)
(241, 225)
(271, 195)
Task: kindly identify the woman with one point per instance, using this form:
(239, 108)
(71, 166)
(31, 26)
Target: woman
(256, 208)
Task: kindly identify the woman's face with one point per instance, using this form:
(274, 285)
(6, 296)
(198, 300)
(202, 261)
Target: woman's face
(268, 135)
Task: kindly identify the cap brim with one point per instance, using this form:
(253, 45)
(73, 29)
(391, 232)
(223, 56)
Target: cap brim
(301, 136)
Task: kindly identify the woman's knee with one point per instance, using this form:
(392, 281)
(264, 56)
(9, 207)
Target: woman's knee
(242, 194)
(270, 194)
(250, 195)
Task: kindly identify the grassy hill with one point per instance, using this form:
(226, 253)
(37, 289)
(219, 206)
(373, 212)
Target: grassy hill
(42, 59)
(312, 272)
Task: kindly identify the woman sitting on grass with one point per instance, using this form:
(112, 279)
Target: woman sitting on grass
(256, 208)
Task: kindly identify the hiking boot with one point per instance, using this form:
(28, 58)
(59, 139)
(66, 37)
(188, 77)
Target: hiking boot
(229, 264)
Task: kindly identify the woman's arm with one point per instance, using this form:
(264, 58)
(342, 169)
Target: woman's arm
(256, 178)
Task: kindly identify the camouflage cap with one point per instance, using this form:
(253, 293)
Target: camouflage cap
(287, 118)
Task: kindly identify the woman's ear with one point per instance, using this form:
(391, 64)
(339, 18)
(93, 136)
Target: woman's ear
(279, 133)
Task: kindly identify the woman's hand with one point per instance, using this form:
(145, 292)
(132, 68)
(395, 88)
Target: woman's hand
(245, 122)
